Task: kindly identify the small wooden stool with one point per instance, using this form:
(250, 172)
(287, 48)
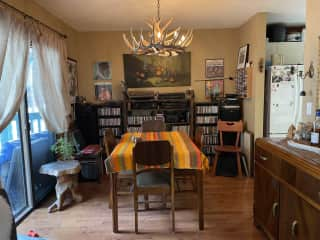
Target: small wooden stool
(66, 173)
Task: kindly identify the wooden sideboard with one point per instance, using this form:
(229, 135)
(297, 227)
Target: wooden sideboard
(286, 191)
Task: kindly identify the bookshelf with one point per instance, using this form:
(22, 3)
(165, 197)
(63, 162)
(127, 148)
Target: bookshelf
(206, 118)
(175, 109)
(110, 115)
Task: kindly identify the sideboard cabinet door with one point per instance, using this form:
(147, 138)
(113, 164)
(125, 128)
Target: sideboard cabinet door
(266, 202)
(298, 219)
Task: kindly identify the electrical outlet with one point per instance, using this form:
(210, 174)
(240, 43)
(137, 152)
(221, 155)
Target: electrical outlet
(309, 109)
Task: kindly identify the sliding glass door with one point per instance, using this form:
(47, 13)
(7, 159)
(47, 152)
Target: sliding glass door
(12, 167)
(25, 146)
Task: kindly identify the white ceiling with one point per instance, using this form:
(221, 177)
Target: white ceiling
(101, 15)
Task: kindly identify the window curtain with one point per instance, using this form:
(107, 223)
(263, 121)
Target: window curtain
(14, 48)
(50, 78)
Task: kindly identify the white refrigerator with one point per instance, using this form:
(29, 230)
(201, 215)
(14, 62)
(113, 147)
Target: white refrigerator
(283, 102)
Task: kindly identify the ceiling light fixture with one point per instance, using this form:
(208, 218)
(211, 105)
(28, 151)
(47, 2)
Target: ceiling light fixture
(159, 41)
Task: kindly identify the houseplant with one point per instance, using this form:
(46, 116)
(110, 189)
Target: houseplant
(63, 148)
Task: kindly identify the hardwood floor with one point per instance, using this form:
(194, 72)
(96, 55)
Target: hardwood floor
(228, 215)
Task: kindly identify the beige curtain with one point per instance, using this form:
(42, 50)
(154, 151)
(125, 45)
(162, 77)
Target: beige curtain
(14, 48)
(50, 78)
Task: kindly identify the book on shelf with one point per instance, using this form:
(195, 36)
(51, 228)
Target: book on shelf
(134, 129)
(182, 128)
(116, 131)
(206, 119)
(109, 111)
(207, 109)
(213, 130)
(209, 149)
(209, 139)
(109, 122)
(138, 120)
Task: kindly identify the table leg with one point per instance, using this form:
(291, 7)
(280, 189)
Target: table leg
(114, 177)
(200, 198)
(74, 189)
(100, 167)
(65, 183)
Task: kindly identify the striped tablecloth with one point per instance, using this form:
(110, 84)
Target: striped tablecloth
(186, 153)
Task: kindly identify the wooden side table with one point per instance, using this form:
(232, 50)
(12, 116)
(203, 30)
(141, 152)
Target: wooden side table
(66, 173)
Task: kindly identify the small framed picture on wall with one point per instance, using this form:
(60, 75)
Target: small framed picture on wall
(214, 68)
(102, 71)
(103, 91)
(214, 88)
(243, 56)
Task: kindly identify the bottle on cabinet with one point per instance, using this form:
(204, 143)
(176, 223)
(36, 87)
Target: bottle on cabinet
(316, 129)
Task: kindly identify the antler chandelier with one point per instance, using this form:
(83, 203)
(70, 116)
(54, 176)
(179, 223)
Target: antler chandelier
(159, 41)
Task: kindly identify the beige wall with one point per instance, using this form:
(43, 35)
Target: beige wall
(34, 10)
(89, 47)
(224, 43)
(254, 33)
(311, 54)
(109, 46)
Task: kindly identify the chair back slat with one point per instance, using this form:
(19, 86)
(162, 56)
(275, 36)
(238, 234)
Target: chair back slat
(228, 126)
(198, 136)
(109, 141)
(153, 126)
(151, 153)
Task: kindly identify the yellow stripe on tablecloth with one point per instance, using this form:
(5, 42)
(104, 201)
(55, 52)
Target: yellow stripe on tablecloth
(182, 152)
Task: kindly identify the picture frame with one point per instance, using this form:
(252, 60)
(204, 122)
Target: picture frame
(214, 88)
(103, 91)
(102, 70)
(146, 71)
(243, 56)
(72, 69)
(214, 68)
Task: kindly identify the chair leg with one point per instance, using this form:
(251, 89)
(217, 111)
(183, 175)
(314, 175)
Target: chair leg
(173, 210)
(164, 200)
(194, 185)
(216, 157)
(146, 201)
(239, 165)
(110, 193)
(135, 212)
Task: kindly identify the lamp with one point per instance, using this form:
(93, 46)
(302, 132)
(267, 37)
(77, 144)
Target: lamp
(159, 41)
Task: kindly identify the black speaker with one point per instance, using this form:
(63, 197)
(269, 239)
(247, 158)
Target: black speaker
(87, 122)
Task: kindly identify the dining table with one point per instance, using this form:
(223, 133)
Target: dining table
(185, 153)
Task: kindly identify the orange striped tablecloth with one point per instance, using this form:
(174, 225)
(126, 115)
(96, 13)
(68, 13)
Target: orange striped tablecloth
(186, 153)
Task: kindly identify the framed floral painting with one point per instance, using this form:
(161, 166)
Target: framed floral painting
(214, 88)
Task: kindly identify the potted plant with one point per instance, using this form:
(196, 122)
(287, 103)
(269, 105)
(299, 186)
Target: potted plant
(63, 148)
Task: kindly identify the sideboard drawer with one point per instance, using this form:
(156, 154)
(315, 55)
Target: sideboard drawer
(266, 159)
(308, 185)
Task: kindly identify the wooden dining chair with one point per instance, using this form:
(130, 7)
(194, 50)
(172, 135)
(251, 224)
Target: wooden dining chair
(110, 143)
(150, 180)
(153, 126)
(225, 126)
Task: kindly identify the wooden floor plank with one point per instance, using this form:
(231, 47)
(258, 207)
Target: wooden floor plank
(227, 207)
